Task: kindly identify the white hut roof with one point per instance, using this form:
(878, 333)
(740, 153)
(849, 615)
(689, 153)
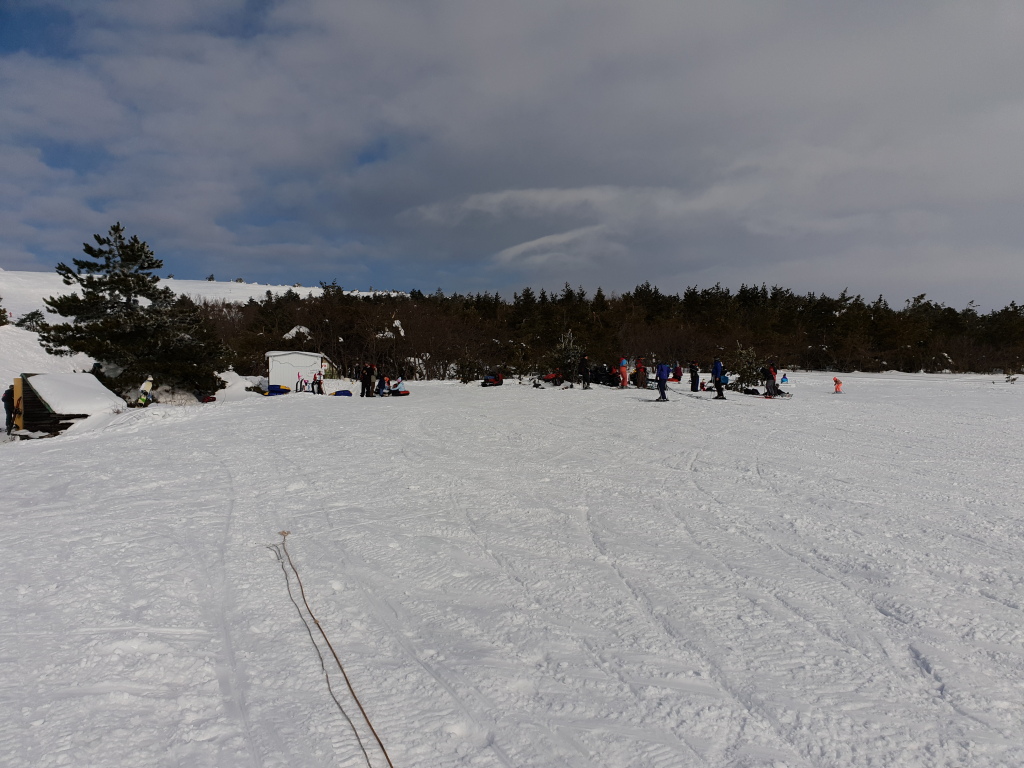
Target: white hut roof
(318, 355)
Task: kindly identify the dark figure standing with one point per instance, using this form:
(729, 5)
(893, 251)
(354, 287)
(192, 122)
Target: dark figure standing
(641, 373)
(662, 373)
(366, 381)
(584, 371)
(9, 408)
(770, 385)
(694, 376)
(717, 371)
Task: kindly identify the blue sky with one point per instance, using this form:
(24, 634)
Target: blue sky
(479, 145)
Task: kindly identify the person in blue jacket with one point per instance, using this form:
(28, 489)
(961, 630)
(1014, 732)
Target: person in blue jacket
(662, 372)
(717, 370)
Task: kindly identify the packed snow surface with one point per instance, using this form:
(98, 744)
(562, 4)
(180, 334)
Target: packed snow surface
(522, 577)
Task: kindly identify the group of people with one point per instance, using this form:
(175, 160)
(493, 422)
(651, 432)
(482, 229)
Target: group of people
(314, 385)
(663, 373)
(373, 384)
(769, 377)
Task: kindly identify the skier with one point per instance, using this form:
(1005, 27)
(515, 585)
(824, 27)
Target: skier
(623, 373)
(717, 371)
(839, 386)
(584, 371)
(8, 399)
(145, 393)
(662, 373)
(317, 387)
(694, 376)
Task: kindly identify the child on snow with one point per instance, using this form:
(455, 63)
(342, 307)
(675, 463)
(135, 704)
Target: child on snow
(145, 393)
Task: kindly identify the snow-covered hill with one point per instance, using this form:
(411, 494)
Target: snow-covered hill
(521, 577)
(22, 292)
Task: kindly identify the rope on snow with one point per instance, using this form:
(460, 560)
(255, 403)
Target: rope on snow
(283, 557)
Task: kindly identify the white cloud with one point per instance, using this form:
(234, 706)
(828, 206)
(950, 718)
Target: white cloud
(535, 141)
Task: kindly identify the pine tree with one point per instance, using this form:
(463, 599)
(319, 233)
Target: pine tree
(124, 320)
(565, 356)
(3, 313)
(746, 369)
(31, 321)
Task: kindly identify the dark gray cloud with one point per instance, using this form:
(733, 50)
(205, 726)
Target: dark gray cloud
(475, 145)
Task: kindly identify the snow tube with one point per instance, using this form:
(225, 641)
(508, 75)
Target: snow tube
(278, 389)
(400, 394)
(342, 393)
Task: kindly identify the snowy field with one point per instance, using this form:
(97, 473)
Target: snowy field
(514, 577)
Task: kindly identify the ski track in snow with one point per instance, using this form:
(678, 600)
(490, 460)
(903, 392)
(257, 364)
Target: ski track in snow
(521, 577)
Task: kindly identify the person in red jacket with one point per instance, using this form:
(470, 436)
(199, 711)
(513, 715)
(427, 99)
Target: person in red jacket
(641, 373)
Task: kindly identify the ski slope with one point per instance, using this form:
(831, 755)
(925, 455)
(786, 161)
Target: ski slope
(22, 292)
(515, 577)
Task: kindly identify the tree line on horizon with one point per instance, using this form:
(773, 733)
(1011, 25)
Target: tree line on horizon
(462, 336)
(132, 327)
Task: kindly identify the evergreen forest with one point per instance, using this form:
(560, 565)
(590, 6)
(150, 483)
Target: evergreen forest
(441, 336)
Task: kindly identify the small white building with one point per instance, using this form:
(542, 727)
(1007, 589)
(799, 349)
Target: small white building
(288, 368)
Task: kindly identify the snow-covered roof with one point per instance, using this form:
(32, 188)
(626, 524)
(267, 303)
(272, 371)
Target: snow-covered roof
(319, 355)
(294, 352)
(74, 394)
